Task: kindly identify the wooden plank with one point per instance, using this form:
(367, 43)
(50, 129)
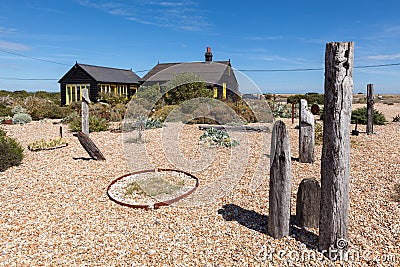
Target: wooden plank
(254, 128)
(306, 134)
(280, 185)
(335, 166)
(89, 146)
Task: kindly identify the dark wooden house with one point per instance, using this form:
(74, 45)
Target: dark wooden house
(97, 79)
(218, 75)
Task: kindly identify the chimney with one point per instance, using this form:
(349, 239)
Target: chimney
(208, 55)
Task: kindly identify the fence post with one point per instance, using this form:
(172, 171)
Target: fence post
(306, 134)
(280, 185)
(370, 109)
(85, 111)
(335, 165)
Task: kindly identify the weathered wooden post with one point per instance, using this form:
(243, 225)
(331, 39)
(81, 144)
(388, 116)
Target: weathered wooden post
(280, 185)
(335, 166)
(306, 134)
(370, 109)
(307, 203)
(85, 111)
(293, 105)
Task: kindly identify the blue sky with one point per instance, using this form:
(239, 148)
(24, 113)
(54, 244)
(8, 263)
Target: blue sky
(253, 34)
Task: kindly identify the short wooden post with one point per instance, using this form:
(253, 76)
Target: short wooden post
(85, 111)
(370, 109)
(61, 132)
(280, 185)
(335, 166)
(307, 204)
(306, 134)
(293, 106)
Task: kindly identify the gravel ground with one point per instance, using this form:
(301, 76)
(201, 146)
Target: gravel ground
(55, 211)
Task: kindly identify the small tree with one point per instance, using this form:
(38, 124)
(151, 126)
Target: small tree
(185, 86)
(150, 93)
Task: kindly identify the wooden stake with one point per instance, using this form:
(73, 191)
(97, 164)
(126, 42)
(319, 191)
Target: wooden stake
(85, 111)
(280, 185)
(370, 109)
(335, 166)
(306, 134)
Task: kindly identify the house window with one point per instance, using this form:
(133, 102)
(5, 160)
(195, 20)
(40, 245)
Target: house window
(215, 92)
(73, 92)
(224, 90)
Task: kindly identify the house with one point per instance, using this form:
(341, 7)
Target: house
(218, 75)
(97, 79)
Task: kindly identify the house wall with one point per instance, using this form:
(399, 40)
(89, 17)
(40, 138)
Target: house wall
(78, 76)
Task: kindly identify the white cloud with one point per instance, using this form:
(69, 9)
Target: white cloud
(384, 57)
(177, 15)
(13, 46)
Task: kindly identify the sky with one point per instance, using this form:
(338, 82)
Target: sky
(41, 40)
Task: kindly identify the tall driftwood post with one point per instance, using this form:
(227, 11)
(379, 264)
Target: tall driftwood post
(280, 185)
(370, 109)
(335, 166)
(85, 111)
(306, 134)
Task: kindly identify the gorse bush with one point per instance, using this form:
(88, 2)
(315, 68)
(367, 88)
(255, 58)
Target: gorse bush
(95, 124)
(360, 116)
(11, 152)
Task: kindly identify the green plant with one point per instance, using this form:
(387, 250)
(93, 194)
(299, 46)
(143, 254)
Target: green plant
(185, 86)
(96, 124)
(162, 113)
(396, 118)
(213, 137)
(21, 118)
(360, 116)
(18, 109)
(11, 152)
(311, 98)
(134, 188)
(5, 111)
(42, 144)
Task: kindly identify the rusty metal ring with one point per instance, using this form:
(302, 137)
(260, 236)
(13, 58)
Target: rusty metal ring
(158, 204)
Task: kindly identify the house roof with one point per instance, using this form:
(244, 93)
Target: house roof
(209, 72)
(106, 74)
(110, 75)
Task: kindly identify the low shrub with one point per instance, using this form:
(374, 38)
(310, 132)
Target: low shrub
(96, 124)
(360, 116)
(213, 137)
(311, 98)
(21, 118)
(5, 111)
(163, 113)
(43, 144)
(11, 152)
(18, 109)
